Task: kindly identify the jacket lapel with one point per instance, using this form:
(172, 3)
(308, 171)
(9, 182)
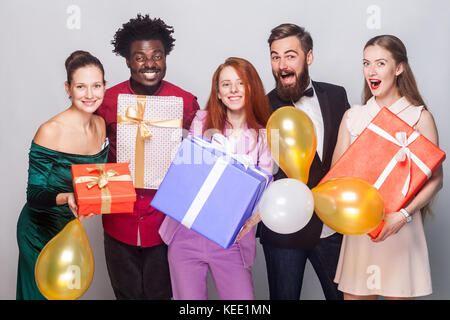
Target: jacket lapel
(326, 116)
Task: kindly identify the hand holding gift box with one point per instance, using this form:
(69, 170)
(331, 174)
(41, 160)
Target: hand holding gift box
(211, 190)
(149, 131)
(393, 157)
(103, 188)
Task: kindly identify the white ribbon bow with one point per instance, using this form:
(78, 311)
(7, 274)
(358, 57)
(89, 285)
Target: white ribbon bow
(221, 143)
(403, 154)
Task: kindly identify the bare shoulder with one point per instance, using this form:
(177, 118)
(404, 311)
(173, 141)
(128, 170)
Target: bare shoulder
(347, 112)
(99, 122)
(101, 125)
(426, 117)
(48, 134)
(427, 126)
(346, 118)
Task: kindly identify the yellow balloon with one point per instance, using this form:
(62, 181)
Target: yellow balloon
(291, 137)
(65, 267)
(348, 205)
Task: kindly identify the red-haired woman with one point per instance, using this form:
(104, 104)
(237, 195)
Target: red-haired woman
(237, 108)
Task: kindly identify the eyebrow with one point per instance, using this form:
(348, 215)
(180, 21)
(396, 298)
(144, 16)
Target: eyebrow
(154, 51)
(288, 51)
(224, 80)
(376, 59)
(78, 83)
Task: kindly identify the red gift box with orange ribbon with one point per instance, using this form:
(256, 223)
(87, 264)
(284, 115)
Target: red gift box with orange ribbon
(393, 157)
(103, 188)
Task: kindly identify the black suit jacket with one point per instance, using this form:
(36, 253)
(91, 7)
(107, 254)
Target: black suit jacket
(333, 103)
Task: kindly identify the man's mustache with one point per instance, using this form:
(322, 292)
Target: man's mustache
(146, 70)
(285, 72)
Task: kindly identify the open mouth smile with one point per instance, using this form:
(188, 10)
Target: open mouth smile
(234, 98)
(374, 83)
(149, 74)
(89, 103)
(286, 77)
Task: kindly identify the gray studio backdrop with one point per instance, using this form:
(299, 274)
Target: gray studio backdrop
(37, 36)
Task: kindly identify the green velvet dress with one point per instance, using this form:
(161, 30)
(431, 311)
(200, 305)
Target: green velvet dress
(41, 219)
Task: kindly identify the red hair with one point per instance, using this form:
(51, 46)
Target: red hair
(256, 104)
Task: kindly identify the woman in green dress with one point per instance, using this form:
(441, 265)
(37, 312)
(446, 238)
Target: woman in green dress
(72, 137)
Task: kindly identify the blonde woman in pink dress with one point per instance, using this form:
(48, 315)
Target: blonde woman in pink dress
(395, 264)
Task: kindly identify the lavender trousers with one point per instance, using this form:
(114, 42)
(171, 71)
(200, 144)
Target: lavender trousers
(191, 255)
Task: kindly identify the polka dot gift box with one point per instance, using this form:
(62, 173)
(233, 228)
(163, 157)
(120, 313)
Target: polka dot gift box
(149, 133)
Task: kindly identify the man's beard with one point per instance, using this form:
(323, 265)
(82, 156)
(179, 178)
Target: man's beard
(292, 93)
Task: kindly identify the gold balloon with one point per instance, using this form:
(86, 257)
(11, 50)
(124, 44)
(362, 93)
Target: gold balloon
(348, 205)
(65, 267)
(296, 136)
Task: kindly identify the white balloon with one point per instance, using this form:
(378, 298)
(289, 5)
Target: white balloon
(286, 206)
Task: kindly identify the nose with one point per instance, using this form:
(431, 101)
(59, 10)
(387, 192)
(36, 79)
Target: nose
(149, 62)
(234, 87)
(372, 70)
(89, 93)
(283, 64)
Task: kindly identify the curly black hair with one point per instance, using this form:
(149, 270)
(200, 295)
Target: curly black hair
(142, 28)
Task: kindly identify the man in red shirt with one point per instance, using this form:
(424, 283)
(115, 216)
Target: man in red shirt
(136, 257)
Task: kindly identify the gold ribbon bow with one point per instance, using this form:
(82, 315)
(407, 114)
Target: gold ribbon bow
(136, 116)
(102, 182)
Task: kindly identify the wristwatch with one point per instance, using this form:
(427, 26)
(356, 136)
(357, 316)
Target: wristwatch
(406, 214)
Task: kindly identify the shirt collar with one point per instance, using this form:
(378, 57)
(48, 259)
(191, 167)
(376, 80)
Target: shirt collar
(397, 107)
(309, 86)
(157, 92)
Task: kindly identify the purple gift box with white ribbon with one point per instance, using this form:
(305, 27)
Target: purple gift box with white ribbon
(210, 189)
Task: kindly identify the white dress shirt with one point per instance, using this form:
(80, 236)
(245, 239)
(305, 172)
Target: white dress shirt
(311, 106)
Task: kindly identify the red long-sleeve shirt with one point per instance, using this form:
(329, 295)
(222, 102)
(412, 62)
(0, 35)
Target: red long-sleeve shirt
(144, 222)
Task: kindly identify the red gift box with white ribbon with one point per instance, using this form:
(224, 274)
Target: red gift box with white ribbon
(393, 157)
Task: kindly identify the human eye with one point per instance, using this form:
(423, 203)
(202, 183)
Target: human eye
(381, 64)
(139, 58)
(365, 63)
(275, 58)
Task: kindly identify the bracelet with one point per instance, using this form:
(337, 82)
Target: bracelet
(406, 214)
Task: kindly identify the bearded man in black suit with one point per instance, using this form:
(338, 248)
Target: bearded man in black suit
(291, 51)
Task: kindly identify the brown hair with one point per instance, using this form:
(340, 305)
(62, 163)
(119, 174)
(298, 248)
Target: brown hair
(289, 29)
(405, 82)
(79, 59)
(256, 105)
